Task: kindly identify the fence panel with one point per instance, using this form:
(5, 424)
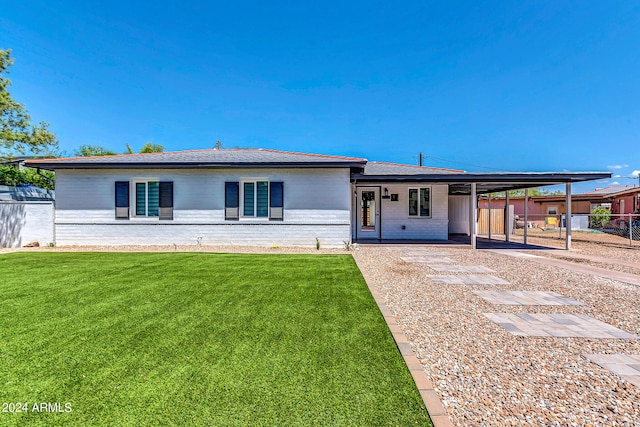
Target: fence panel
(611, 229)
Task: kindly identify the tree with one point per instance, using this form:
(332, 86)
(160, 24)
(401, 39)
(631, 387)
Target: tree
(93, 150)
(17, 134)
(536, 191)
(150, 147)
(11, 175)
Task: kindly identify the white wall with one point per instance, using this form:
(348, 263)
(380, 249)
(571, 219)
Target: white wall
(459, 214)
(25, 222)
(316, 204)
(395, 215)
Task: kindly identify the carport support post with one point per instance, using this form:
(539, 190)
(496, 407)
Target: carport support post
(473, 214)
(489, 203)
(526, 213)
(506, 216)
(567, 242)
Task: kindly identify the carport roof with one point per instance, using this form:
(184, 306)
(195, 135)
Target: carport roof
(460, 181)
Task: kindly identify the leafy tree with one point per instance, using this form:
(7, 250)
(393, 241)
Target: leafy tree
(129, 149)
(536, 191)
(150, 147)
(93, 150)
(17, 133)
(11, 175)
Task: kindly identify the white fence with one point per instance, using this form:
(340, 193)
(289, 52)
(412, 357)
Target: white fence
(24, 222)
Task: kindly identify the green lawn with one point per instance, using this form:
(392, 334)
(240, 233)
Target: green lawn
(197, 339)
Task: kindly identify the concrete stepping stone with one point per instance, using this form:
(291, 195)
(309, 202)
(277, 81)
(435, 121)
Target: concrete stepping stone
(468, 279)
(526, 298)
(461, 269)
(626, 366)
(556, 325)
(427, 253)
(426, 259)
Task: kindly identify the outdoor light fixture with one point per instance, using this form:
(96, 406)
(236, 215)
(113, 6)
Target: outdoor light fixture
(386, 194)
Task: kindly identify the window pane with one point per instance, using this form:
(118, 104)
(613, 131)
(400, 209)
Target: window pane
(248, 199)
(141, 198)
(424, 202)
(153, 198)
(263, 198)
(413, 201)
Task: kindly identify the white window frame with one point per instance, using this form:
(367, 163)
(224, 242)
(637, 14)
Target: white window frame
(254, 181)
(554, 208)
(134, 202)
(417, 215)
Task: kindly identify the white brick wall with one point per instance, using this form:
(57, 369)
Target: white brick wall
(395, 215)
(316, 204)
(25, 222)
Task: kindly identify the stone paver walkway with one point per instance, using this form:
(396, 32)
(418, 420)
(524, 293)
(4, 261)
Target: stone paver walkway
(461, 269)
(468, 279)
(427, 259)
(627, 366)
(426, 253)
(526, 298)
(632, 279)
(556, 325)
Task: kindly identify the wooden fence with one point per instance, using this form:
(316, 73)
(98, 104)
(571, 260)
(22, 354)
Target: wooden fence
(497, 221)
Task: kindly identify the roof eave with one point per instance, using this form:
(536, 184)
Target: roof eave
(179, 165)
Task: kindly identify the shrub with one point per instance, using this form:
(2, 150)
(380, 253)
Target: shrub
(600, 216)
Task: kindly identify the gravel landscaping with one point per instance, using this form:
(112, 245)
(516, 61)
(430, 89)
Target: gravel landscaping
(486, 376)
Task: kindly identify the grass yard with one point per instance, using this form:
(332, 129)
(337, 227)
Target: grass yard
(197, 339)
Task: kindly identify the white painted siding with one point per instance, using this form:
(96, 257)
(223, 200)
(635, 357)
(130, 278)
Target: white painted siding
(316, 204)
(459, 214)
(395, 215)
(25, 222)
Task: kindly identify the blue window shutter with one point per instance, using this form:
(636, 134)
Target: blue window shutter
(277, 195)
(166, 200)
(231, 200)
(122, 199)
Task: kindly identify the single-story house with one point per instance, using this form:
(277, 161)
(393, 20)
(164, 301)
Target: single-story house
(267, 197)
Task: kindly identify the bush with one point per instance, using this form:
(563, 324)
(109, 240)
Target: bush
(600, 216)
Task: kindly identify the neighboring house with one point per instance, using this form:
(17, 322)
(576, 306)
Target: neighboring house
(626, 201)
(619, 198)
(266, 197)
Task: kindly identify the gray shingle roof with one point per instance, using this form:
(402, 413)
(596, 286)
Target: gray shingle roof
(382, 168)
(254, 157)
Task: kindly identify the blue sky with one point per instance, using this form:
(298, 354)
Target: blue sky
(480, 86)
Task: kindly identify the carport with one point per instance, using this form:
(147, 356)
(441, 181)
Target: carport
(474, 184)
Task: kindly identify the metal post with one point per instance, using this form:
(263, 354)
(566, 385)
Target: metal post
(630, 229)
(567, 244)
(507, 220)
(473, 212)
(526, 213)
(489, 203)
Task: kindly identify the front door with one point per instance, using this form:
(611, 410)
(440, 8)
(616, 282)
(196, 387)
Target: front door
(368, 221)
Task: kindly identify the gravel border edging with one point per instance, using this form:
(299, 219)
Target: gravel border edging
(435, 408)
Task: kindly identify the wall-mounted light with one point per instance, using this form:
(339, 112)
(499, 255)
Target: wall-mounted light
(386, 193)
